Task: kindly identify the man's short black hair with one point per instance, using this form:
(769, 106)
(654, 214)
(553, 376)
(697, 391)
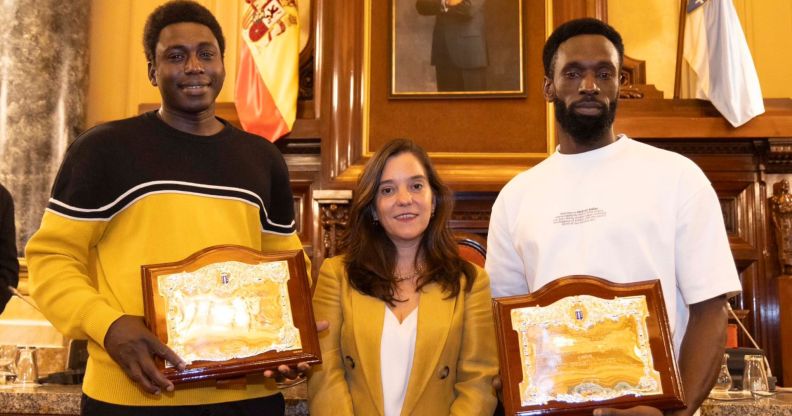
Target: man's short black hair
(178, 11)
(572, 28)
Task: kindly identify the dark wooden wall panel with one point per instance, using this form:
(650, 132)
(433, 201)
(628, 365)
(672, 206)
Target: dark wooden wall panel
(737, 162)
(564, 10)
(785, 321)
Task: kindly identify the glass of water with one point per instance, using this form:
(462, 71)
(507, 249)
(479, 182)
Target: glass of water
(755, 375)
(27, 368)
(8, 354)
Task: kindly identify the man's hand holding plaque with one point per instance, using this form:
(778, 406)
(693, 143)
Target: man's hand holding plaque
(133, 347)
(290, 376)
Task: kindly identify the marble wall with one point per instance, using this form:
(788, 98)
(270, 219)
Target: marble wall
(43, 84)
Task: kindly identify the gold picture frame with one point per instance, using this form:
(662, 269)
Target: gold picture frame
(471, 50)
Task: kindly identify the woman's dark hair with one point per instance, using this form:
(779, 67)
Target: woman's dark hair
(370, 253)
(178, 11)
(577, 27)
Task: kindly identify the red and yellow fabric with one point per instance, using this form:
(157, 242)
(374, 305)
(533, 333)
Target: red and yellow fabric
(268, 78)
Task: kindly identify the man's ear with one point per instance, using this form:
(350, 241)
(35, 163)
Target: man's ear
(549, 89)
(152, 75)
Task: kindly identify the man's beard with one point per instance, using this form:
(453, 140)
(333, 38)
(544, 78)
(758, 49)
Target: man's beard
(584, 130)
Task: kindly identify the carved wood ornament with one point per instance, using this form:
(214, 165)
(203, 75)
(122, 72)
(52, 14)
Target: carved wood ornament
(781, 214)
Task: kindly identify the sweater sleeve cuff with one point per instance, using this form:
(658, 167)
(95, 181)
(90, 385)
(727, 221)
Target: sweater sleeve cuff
(98, 322)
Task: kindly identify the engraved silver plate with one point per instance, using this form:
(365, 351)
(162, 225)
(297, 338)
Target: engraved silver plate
(229, 310)
(584, 348)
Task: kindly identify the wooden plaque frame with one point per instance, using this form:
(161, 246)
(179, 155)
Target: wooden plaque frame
(660, 342)
(299, 304)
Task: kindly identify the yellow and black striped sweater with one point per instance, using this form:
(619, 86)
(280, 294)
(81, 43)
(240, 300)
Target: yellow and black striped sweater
(137, 191)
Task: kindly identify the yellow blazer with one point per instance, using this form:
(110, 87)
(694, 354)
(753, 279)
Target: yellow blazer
(455, 350)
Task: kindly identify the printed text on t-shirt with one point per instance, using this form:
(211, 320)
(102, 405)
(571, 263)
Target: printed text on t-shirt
(578, 217)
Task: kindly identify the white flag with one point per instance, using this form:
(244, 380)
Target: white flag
(716, 50)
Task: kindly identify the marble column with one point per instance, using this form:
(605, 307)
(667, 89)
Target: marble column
(43, 86)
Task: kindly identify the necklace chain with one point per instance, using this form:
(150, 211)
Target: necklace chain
(399, 277)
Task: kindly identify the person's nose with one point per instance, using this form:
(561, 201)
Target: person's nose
(193, 65)
(588, 85)
(403, 197)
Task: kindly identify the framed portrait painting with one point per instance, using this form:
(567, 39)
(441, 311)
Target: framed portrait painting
(456, 48)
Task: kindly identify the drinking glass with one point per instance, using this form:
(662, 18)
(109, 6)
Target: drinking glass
(8, 354)
(754, 375)
(724, 380)
(27, 369)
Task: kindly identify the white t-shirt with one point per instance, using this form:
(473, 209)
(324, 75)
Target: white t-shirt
(397, 349)
(625, 212)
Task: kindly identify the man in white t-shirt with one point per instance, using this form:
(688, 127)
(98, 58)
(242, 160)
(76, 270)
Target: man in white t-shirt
(607, 206)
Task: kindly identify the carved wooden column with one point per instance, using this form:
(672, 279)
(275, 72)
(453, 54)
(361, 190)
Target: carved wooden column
(781, 214)
(332, 207)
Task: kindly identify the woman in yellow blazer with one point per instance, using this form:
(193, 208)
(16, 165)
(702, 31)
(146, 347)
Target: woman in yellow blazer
(411, 329)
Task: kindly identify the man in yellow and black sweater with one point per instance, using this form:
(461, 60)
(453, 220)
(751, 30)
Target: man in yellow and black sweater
(153, 189)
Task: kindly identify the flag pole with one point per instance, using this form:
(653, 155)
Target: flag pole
(680, 47)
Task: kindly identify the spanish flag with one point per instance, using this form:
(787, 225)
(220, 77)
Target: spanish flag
(268, 78)
(716, 50)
